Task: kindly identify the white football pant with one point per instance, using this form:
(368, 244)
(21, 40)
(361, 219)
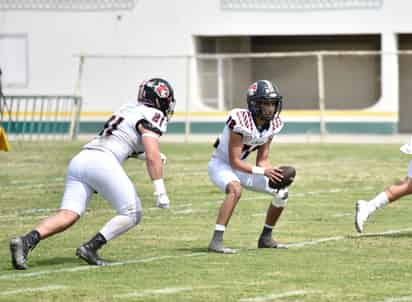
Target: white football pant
(93, 170)
(221, 174)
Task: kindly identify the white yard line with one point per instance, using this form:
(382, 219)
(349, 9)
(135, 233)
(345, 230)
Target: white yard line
(154, 292)
(390, 232)
(399, 299)
(32, 290)
(314, 242)
(90, 267)
(279, 296)
(336, 238)
(342, 214)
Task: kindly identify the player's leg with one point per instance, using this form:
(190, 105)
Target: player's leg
(260, 183)
(223, 177)
(74, 201)
(115, 186)
(364, 209)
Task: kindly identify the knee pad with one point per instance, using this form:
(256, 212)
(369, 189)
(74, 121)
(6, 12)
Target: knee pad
(280, 199)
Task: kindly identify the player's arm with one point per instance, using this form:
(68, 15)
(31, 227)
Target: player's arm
(150, 142)
(235, 151)
(154, 164)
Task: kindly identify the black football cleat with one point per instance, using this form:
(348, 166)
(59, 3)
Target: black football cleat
(216, 246)
(19, 249)
(270, 243)
(89, 255)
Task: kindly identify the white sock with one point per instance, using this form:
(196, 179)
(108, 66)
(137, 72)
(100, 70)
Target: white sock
(220, 227)
(378, 202)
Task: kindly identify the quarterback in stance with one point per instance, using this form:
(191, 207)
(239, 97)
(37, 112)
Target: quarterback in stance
(365, 208)
(135, 128)
(247, 130)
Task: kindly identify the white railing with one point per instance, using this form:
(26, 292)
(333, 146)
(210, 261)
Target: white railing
(40, 117)
(182, 70)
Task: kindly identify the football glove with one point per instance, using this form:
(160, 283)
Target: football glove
(142, 156)
(162, 201)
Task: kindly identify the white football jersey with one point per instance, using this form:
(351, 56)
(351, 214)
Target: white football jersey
(241, 121)
(120, 136)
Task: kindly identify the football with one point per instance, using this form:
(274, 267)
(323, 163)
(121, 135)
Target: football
(288, 173)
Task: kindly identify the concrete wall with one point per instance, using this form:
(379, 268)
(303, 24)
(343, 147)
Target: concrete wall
(158, 27)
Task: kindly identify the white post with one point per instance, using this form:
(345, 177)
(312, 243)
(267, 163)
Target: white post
(75, 119)
(220, 85)
(321, 92)
(389, 74)
(188, 100)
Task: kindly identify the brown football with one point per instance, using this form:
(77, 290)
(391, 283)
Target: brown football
(288, 173)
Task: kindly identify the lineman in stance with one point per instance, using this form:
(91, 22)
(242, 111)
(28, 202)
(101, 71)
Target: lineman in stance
(135, 128)
(364, 209)
(247, 130)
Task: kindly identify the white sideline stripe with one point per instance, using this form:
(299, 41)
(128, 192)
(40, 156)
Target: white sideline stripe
(336, 238)
(279, 296)
(90, 267)
(399, 299)
(390, 232)
(150, 292)
(314, 242)
(32, 290)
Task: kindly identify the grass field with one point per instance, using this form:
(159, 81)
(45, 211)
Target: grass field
(165, 258)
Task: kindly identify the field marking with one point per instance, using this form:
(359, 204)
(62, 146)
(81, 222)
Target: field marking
(314, 242)
(336, 238)
(90, 267)
(32, 290)
(279, 296)
(151, 292)
(399, 299)
(390, 232)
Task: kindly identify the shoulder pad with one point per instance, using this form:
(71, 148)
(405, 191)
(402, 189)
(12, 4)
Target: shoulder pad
(241, 121)
(277, 125)
(154, 117)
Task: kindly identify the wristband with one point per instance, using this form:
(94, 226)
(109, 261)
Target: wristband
(159, 186)
(258, 170)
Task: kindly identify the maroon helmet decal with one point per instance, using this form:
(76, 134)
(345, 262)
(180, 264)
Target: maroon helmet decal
(252, 89)
(162, 90)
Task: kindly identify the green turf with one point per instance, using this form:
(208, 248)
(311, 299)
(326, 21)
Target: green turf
(167, 251)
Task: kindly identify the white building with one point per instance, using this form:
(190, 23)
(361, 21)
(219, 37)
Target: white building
(124, 42)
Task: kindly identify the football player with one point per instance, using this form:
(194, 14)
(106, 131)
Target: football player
(249, 130)
(133, 129)
(366, 208)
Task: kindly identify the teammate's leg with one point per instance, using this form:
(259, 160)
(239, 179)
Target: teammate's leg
(233, 193)
(115, 186)
(260, 183)
(364, 209)
(222, 176)
(74, 202)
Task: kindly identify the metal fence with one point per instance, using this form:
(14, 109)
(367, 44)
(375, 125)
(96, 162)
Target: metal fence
(40, 117)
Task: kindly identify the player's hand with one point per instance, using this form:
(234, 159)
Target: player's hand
(274, 174)
(162, 201)
(142, 156)
(163, 158)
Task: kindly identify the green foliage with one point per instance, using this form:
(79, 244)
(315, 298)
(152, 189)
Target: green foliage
(165, 259)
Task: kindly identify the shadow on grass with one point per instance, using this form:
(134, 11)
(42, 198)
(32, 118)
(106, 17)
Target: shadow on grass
(56, 261)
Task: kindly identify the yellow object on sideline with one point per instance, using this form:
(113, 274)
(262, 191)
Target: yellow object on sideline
(4, 144)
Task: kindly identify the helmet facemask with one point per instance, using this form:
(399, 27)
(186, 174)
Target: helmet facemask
(255, 106)
(260, 92)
